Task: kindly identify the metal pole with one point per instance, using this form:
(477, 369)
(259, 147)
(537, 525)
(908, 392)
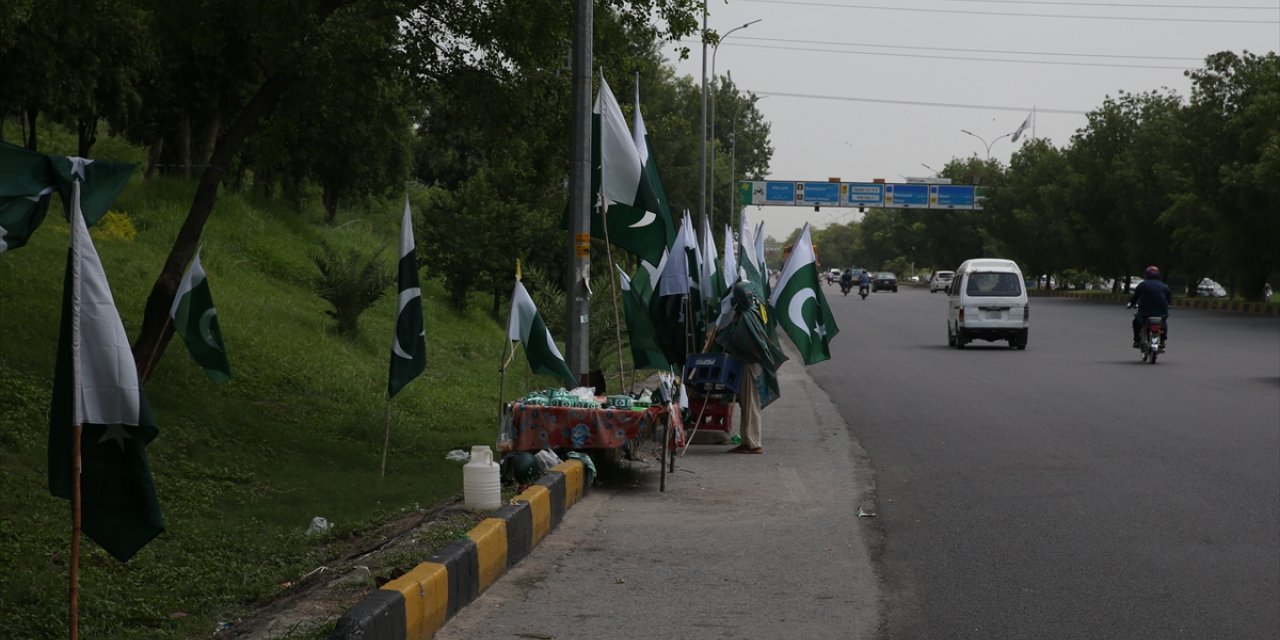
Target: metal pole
(578, 309)
(711, 169)
(702, 180)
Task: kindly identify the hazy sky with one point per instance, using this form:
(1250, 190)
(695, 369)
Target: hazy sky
(864, 89)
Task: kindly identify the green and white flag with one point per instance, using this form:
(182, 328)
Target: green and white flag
(799, 306)
(526, 326)
(627, 208)
(95, 385)
(645, 352)
(28, 179)
(652, 196)
(711, 280)
(26, 184)
(196, 320)
(748, 262)
(409, 344)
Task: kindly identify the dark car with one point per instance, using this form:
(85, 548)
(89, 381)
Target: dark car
(885, 281)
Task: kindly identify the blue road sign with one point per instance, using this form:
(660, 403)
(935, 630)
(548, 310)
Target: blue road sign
(865, 194)
(779, 192)
(948, 196)
(818, 193)
(906, 195)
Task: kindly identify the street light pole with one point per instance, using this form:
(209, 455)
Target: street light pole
(984, 141)
(710, 170)
(935, 171)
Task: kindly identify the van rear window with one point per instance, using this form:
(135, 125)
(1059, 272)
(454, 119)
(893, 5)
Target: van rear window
(994, 284)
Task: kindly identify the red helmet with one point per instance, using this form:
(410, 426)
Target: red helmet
(1153, 272)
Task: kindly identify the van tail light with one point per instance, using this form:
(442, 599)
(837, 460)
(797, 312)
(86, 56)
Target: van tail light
(961, 315)
(1026, 313)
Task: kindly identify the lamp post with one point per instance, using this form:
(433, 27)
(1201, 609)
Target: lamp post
(935, 171)
(710, 172)
(984, 141)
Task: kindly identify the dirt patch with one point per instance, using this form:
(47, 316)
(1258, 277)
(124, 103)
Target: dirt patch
(310, 606)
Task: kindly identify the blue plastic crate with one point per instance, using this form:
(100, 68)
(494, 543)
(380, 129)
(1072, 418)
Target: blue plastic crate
(712, 373)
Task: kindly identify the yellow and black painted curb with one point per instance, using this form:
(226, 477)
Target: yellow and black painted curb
(415, 605)
(1256, 308)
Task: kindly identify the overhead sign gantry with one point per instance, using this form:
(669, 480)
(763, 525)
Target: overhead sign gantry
(886, 195)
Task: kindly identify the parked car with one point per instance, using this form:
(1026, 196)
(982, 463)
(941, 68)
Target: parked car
(884, 281)
(940, 280)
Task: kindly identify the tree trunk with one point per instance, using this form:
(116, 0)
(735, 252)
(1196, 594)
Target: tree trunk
(211, 138)
(156, 330)
(87, 135)
(153, 156)
(31, 115)
(184, 145)
(330, 198)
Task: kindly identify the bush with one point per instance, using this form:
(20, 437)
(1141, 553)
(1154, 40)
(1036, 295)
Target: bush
(351, 282)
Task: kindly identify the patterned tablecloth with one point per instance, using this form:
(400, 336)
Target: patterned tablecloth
(537, 427)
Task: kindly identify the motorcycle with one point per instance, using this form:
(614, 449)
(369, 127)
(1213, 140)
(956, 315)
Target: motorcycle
(863, 290)
(1151, 338)
(845, 286)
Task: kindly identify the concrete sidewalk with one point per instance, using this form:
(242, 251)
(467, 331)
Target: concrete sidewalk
(739, 546)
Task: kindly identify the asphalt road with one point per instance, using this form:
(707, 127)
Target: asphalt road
(1066, 491)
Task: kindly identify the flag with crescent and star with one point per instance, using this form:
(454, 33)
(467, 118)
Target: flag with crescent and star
(28, 180)
(628, 203)
(96, 386)
(799, 306)
(195, 319)
(409, 343)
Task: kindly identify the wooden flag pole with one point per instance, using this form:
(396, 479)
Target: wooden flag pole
(386, 439)
(77, 429)
(151, 361)
(613, 290)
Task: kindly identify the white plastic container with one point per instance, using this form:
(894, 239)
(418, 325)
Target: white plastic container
(481, 485)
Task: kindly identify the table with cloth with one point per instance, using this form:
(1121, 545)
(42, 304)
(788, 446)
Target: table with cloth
(536, 427)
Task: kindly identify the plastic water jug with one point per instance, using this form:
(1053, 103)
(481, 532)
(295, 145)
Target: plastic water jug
(481, 486)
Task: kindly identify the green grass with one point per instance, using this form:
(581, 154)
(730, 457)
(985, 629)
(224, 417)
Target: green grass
(240, 468)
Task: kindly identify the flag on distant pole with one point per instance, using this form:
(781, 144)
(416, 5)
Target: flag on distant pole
(196, 320)
(799, 306)
(525, 325)
(409, 344)
(96, 386)
(1023, 127)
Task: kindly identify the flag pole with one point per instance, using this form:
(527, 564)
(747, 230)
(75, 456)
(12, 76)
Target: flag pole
(155, 353)
(613, 289)
(386, 439)
(77, 429)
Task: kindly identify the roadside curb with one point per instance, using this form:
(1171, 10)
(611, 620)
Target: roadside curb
(416, 605)
(1256, 308)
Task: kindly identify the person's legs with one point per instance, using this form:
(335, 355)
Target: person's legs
(1137, 328)
(749, 403)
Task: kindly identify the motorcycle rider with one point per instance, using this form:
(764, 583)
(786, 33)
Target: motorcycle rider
(864, 282)
(1152, 296)
(846, 280)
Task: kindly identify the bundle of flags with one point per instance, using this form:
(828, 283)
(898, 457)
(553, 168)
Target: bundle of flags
(681, 288)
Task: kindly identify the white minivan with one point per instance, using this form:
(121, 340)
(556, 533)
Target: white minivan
(987, 300)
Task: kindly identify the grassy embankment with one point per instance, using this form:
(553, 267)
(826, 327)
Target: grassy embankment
(240, 468)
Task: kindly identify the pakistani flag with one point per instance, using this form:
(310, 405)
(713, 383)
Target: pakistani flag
(26, 184)
(799, 306)
(196, 320)
(1023, 127)
(628, 195)
(28, 179)
(748, 262)
(711, 280)
(645, 351)
(95, 385)
(409, 344)
(527, 327)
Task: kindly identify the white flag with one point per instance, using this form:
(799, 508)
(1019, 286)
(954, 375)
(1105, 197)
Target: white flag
(1025, 123)
(619, 159)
